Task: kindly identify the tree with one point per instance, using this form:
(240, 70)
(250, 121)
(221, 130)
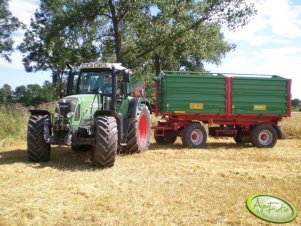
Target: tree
(5, 93)
(295, 102)
(8, 24)
(33, 94)
(144, 35)
(179, 30)
(50, 45)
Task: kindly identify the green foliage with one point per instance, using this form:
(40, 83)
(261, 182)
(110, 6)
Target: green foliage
(144, 35)
(30, 95)
(295, 102)
(8, 24)
(50, 44)
(6, 93)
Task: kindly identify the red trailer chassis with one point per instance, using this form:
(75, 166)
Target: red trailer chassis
(260, 129)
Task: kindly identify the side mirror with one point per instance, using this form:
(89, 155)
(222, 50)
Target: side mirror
(70, 80)
(127, 75)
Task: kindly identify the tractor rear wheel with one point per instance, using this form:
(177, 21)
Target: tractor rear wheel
(139, 132)
(264, 136)
(194, 136)
(37, 148)
(169, 137)
(105, 150)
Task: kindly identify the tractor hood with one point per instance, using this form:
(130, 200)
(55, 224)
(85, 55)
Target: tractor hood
(79, 108)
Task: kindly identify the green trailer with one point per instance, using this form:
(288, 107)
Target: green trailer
(246, 107)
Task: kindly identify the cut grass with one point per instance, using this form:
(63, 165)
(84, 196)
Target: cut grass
(167, 185)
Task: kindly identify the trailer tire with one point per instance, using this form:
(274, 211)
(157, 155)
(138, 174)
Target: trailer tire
(169, 138)
(264, 136)
(37, 148)
(138, 139)
(194, 136)
(105, 150)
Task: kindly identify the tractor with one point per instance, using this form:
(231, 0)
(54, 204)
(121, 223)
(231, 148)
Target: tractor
(98, 113)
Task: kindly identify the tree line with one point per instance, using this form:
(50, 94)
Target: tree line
(30, 95)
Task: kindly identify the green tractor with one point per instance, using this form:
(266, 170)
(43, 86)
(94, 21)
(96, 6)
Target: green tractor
(99, 112)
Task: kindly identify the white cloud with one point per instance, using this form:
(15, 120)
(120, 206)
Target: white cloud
(275, 22)
(23, 10)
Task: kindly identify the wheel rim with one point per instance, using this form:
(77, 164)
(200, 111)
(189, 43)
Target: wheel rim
(265, 137)
(196, 137)
(142, 130)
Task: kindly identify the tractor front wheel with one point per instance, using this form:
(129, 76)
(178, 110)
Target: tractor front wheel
(139, 132)
(194, 136)
(105, 150)
(37, 148)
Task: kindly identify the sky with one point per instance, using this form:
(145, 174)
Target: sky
(269, 44)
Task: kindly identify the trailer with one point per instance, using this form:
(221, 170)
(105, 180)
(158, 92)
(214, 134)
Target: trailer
(246, 107)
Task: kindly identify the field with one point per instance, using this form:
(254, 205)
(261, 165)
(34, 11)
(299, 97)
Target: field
(167, 185)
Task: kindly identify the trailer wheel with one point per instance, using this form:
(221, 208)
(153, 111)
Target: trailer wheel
(138, 139)
(194, 136)
(264, 136)
(37, 148)
(169, 138)
(105, 150)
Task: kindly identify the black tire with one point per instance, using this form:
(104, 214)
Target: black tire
(194, 136)
(105, 150)
(37, 148)
(264, 136)
(169, 138)
(138, 139)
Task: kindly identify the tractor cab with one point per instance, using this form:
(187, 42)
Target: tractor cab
(107, 80)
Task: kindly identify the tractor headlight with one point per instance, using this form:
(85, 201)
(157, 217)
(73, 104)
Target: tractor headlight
(69, 115)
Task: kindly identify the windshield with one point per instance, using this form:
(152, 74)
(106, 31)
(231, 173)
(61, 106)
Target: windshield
(95, 82)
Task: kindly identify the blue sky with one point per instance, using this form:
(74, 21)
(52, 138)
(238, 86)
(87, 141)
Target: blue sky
(269, 44)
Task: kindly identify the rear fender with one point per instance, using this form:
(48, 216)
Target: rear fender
(132, 112)
(135, 104)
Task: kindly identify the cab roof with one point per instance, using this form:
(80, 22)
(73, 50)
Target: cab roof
(99, 65)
